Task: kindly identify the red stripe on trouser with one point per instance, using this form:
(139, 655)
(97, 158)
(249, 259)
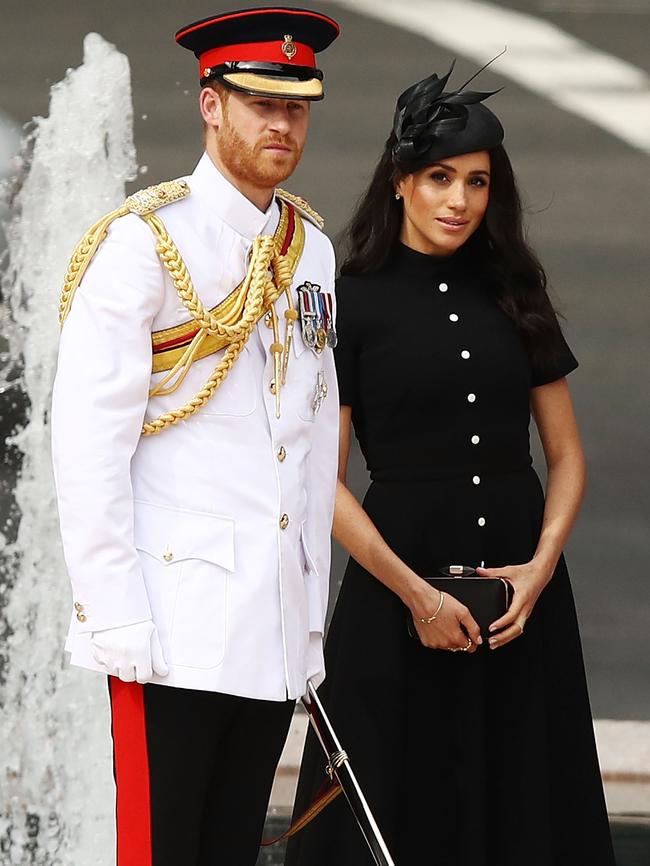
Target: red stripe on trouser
(131, 774)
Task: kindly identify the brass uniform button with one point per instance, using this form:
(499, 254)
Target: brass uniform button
(81, 617)
(168, 556)
(78, 607)
(272, 386)
(268, 320)
(282, 454)
(284, 521)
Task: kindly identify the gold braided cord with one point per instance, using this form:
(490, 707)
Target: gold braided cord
(142, 202)
(268, 277)
(157, 425)
(166, 356)
(81, 258)
(181, 368)
(242, 314)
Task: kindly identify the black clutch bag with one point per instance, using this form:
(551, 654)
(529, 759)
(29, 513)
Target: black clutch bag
(487, 598)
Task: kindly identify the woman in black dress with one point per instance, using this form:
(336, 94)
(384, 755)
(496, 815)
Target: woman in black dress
(447, 340)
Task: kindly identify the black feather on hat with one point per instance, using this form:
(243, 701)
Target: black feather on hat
(431, 124)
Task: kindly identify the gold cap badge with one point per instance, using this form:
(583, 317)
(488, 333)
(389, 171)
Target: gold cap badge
(288, 48)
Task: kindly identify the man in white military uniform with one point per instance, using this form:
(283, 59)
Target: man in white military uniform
(195, 449)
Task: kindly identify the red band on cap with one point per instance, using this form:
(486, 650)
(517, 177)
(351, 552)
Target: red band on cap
(264, 52)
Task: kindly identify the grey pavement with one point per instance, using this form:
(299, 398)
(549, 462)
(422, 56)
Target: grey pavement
(588, 200)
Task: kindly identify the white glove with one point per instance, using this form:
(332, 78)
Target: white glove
(131, 652)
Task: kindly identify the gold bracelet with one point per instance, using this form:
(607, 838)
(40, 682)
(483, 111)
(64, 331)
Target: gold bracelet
(430, 619)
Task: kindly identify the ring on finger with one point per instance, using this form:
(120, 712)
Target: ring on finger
(461, 649)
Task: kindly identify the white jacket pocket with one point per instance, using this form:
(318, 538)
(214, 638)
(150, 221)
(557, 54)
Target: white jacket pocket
(186, 560)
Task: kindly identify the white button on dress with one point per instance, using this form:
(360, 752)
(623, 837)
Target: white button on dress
(465, 354)
(475, 439)
(453, 317)
(481, 521)
(471, 398)
(476, 479)
(443, 287)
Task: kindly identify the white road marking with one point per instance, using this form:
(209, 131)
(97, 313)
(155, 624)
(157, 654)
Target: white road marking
(624, 753)
(602, 7)
(608, 91)
(624, 748)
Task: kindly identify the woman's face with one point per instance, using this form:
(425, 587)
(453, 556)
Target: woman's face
(444, 203)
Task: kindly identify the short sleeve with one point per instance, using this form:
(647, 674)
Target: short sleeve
(559, 365)
(346, 353)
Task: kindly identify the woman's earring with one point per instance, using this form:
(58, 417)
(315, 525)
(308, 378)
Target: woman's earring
(398, 196)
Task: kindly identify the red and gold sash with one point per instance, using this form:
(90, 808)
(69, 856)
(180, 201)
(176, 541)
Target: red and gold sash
(170, 344)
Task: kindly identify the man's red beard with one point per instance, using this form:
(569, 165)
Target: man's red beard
(253, 164)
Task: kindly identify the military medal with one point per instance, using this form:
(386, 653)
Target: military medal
(316, 317)
(309, 335)
(321, 330)
(332, 339)
(308, 315)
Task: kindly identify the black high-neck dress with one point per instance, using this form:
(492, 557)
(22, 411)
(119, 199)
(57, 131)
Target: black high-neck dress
(466, 760)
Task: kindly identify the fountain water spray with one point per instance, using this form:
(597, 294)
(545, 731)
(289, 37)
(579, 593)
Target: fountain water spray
(56, 796)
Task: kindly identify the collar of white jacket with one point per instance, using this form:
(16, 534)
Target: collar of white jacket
(228, 203)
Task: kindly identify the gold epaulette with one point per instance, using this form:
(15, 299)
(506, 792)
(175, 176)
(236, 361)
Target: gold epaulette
(302, 206)
(148, 200)
(142, 203)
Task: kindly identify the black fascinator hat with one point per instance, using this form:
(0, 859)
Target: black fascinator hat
(431, 123)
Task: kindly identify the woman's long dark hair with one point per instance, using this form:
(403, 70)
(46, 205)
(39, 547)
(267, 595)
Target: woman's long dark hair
(499, 244)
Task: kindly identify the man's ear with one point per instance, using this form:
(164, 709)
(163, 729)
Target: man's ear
(211, 107)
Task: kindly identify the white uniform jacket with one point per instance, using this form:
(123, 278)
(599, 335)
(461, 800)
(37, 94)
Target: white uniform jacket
(187, 526)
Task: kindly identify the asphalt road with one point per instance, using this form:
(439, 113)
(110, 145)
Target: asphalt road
(588, 201)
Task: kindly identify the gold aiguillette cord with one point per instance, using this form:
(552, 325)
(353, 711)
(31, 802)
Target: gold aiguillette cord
(276, 348)
(281, 351)
(290, 316)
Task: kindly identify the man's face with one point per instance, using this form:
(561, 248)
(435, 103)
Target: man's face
(260, 139)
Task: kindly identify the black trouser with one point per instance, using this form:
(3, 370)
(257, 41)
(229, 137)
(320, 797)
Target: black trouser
(193, 772)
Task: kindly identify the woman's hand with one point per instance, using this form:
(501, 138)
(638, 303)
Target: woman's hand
(528, 581)
(445, 631)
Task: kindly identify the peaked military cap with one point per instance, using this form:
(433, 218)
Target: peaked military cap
(266, 51)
